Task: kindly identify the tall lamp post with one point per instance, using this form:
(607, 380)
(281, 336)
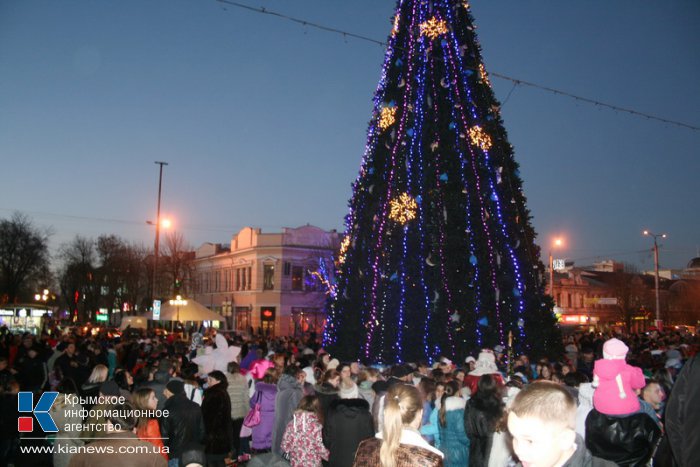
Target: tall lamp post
(656, 274)
(556, 243)
(155, 255)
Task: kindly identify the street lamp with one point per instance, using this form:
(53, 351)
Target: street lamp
(656, 274)
(556, 243)
(42, 297)
(177, 303)
(155, 256)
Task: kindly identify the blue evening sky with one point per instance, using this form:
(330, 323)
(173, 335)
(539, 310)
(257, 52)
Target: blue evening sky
(263, 121)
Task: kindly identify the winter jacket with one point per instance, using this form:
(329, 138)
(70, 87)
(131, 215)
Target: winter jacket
(348, 422)
(289, 393)
(262, 433)
(366, 392)
(683, 413)
(453, 440)
(412, 451)
(432, 428)
(238, 392)
(65, 441)
(32, 373)
(150, 433)
(628, 440)
(607, 397)
(326, 394)
(480, 429)
(303, 440)
(183, 425)
(218, 429)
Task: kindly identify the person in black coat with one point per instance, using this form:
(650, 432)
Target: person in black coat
(348, 422)
(682, 414)
(218, 428)
(32, 372)
(184, 424)
(483, 412)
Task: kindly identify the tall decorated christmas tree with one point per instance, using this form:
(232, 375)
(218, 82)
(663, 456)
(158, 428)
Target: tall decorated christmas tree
(439, 256)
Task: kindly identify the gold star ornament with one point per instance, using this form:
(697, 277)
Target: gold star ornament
(387, 117)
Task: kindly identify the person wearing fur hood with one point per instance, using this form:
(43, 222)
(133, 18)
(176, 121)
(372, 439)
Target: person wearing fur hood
(303, 440)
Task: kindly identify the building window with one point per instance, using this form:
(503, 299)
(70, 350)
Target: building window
(287, 267)
(557, 302)
(268, 277)
(297, 278)
(238, 279)
(311, 281)
(244, 280)
(570, 303)
(250, 275)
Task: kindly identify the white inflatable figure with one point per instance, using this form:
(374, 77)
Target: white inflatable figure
(219, 358)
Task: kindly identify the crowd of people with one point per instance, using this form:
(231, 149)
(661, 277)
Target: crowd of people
(623, 399)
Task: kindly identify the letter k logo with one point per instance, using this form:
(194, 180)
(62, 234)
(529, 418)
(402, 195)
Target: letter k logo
(25, 403)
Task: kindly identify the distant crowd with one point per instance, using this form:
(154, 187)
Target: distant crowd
(224, 400)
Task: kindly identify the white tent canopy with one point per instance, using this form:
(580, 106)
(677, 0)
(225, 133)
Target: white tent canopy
(193, 311)
(137, 322)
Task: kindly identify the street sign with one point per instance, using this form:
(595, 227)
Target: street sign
(559, 264)
(156, 310)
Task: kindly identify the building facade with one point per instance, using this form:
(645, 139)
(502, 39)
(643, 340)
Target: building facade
(267, 282)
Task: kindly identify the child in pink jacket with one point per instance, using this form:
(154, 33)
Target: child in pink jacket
(302, 442)
(615, 381)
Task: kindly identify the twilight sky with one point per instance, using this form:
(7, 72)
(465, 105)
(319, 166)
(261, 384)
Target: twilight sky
(263, 121)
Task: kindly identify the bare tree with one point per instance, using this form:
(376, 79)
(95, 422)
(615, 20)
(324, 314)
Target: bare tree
(77, 277)
(24, 257)
(177, 267)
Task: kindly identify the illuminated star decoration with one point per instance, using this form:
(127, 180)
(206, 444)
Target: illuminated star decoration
(387, 117)
(403, 209)
(433, 28)
(484, 76)
(343, 249)
(480, 138)
(455, 317)
(219, 358)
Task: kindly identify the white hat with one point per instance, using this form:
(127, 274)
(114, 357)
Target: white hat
(470, 359)
(333, 364)
(310, 378)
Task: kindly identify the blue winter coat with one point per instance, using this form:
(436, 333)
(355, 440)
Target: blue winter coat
(453, 440)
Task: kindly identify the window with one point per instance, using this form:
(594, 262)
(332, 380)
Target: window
(570, 303)
(311, 282)
(250, 274)
(297, 278)
(287, 267)
(238, 279)
(244, 280)
(268, 277)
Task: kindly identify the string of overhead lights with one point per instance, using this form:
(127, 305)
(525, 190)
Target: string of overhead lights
(516, 82)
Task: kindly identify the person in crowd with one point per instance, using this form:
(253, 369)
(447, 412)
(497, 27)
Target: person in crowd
(651, 400)
(348, 422)
(365, 379)
(64, 412)
(289, 393)
(485, 365)
(218, 427)
(683, 413)
(431, 429)
(347, 389)
(265, 394)
(585, 362)
(32, 372)
(399, 444)
(9, 432)
(481, 415)
(94, 426)
(237, 389)
(184, 424)
(91, 388)
(426, 387)
(125, 382)
(119, 439)
(161, 376)
(189, 378)
(302, 442)
(147, 428)
(327, 390)
(453, 439)
(615, 381)
(541, 421)
(73, 364)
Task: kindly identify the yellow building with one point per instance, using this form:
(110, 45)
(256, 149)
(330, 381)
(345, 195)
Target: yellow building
(265, 281)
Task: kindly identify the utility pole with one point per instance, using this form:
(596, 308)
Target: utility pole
(157, 243)
(656, 275)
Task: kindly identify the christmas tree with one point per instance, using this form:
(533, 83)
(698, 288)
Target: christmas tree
(438, 257)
